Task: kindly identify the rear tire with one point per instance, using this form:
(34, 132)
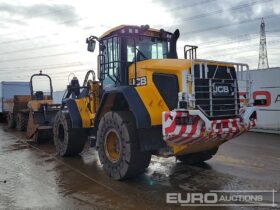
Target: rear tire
(123, 159)
(21, 122)
(67, 141)
(198, 157)
(11, 120)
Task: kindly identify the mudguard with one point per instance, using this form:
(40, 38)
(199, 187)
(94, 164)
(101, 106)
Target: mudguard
(130, 100)
(73, 112)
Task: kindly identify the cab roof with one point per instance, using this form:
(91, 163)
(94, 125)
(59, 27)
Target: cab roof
(133, 29)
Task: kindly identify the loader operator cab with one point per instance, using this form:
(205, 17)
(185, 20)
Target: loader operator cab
(123, 46)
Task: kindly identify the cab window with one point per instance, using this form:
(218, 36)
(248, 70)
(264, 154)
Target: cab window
(143, 48)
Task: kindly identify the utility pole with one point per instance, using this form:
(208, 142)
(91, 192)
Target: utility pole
(263, 61)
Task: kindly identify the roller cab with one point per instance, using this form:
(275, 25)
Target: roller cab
(41, 109)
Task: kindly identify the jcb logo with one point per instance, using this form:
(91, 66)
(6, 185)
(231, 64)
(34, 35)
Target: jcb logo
(140, 81)
(221, 89)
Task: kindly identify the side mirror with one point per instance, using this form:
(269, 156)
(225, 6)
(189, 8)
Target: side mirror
(91, 41)
(91, 45)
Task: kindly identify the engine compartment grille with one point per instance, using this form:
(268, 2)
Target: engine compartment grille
(216, 91)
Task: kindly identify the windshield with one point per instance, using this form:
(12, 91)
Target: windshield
(142, 48)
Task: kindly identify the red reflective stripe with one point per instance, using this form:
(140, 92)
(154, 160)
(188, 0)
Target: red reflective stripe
(220, 130)
(225, 124)
(172, 127)
(183, 129)
(193, 130)
(166, 116)
(178, 114)
(202, 128)
(234, 125)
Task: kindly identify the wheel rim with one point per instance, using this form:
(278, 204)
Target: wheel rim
(112, 146)
(61, 133)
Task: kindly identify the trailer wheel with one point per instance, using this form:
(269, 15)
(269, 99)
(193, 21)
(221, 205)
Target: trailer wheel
(21, 122)
(198, 157)
(67, 141)
(118, 146)
(11, 120)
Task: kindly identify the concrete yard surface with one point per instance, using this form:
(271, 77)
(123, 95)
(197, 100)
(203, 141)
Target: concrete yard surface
(32, 176)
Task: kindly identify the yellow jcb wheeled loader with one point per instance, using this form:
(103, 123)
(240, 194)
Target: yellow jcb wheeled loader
(149, 102)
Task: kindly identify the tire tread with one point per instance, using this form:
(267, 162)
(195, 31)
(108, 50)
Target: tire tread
(139, 161)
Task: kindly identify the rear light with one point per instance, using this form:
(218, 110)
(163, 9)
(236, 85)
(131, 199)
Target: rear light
(184, 120)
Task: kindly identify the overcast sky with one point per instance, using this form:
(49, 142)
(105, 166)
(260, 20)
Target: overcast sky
(50, 34)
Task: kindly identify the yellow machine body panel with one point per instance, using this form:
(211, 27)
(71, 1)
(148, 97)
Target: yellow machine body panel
(88, 105)
(192, 148)
(84, 111)
(148, 93)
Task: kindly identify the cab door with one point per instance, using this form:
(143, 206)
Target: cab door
(110, 62)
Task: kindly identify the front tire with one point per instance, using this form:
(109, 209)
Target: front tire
(67, 140)
(118, 146)
(198, 157)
